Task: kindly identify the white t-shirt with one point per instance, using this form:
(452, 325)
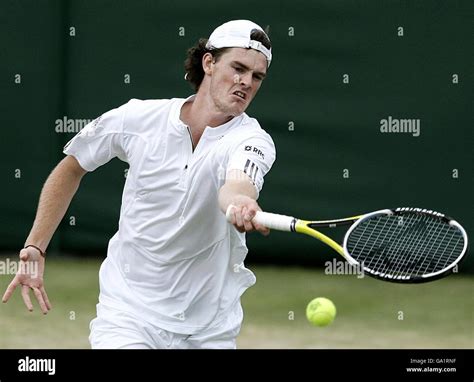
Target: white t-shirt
(175, 261)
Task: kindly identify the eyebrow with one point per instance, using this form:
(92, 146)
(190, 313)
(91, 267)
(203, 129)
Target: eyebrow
(262, 74)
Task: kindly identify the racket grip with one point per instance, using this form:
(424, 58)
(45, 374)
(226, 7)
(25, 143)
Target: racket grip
(267, 219)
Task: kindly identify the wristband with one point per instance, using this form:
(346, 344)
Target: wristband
(38, 248)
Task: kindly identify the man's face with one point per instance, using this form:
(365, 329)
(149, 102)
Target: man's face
(236, 77)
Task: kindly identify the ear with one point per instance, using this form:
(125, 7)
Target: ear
(207, 61)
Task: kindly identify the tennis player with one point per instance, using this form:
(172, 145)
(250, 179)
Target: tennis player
(174, 272)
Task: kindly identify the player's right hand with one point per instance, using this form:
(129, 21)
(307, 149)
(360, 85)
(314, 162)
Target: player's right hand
(241, 215)
(30, 276)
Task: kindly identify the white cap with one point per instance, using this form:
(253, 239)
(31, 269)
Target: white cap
(236, 34)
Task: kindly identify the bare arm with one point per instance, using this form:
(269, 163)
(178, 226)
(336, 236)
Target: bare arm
(239, 191)
(55, 198)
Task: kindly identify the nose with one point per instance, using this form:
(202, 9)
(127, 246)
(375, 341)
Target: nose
(246, 79)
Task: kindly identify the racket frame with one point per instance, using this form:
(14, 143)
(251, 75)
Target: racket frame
(307, 227)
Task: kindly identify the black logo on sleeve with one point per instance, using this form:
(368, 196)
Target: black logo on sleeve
(251, 169)
(255, 150)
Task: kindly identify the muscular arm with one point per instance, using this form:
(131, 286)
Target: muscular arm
(239, 191)
(55, 198)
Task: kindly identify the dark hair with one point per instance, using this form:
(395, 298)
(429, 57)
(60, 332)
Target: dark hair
(193, 62)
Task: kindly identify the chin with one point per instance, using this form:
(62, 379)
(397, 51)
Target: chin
(240, 109)
(235, 111)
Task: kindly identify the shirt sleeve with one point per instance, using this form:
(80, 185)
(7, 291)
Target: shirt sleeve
(254, 156)
(99, 141)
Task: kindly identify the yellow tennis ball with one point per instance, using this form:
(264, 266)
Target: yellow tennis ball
(320, 311)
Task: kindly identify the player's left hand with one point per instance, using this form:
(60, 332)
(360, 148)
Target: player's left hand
(242, 213)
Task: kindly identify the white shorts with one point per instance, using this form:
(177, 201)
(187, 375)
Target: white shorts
(116, 329)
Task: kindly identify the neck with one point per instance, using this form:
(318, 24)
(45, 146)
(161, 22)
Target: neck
(202, 112)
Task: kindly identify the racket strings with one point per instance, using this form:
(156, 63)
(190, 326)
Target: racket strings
(383, 260)
(438, 237)
(435, 257)
(451, 235)
(378, 258)
(404, 252)
(391, 231)
(367, 239)
(450, 256)
(419, 249)
(405, 246)
(405, 269)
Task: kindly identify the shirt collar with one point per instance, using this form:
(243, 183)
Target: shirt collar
(209, 131)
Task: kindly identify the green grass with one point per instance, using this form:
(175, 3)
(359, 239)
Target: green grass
(435, 315)
(72, 286)
(369, 312)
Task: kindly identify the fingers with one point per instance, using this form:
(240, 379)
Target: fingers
(26, 297)
(10, 289)
(39, 298)
(239, 221)
(40, 295)
(262, 229)
(233, 218)
(242, 219)
(28, 280)
(247, 219)
(45, 298)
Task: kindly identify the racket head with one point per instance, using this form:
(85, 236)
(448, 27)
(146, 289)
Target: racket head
(406, 245)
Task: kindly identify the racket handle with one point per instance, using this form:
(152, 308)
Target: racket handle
(267, 219)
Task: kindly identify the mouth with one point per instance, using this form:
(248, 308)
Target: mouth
(240, 94)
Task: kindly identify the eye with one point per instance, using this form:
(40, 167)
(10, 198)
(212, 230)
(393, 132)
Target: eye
(238, 69)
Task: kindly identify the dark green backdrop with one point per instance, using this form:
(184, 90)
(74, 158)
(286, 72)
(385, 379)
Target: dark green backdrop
(336, 124)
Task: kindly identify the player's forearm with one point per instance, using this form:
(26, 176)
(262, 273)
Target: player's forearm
(240, 192)
(55, 198)
(236, 193)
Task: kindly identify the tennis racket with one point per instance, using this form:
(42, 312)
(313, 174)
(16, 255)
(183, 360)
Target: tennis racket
(403, 245)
